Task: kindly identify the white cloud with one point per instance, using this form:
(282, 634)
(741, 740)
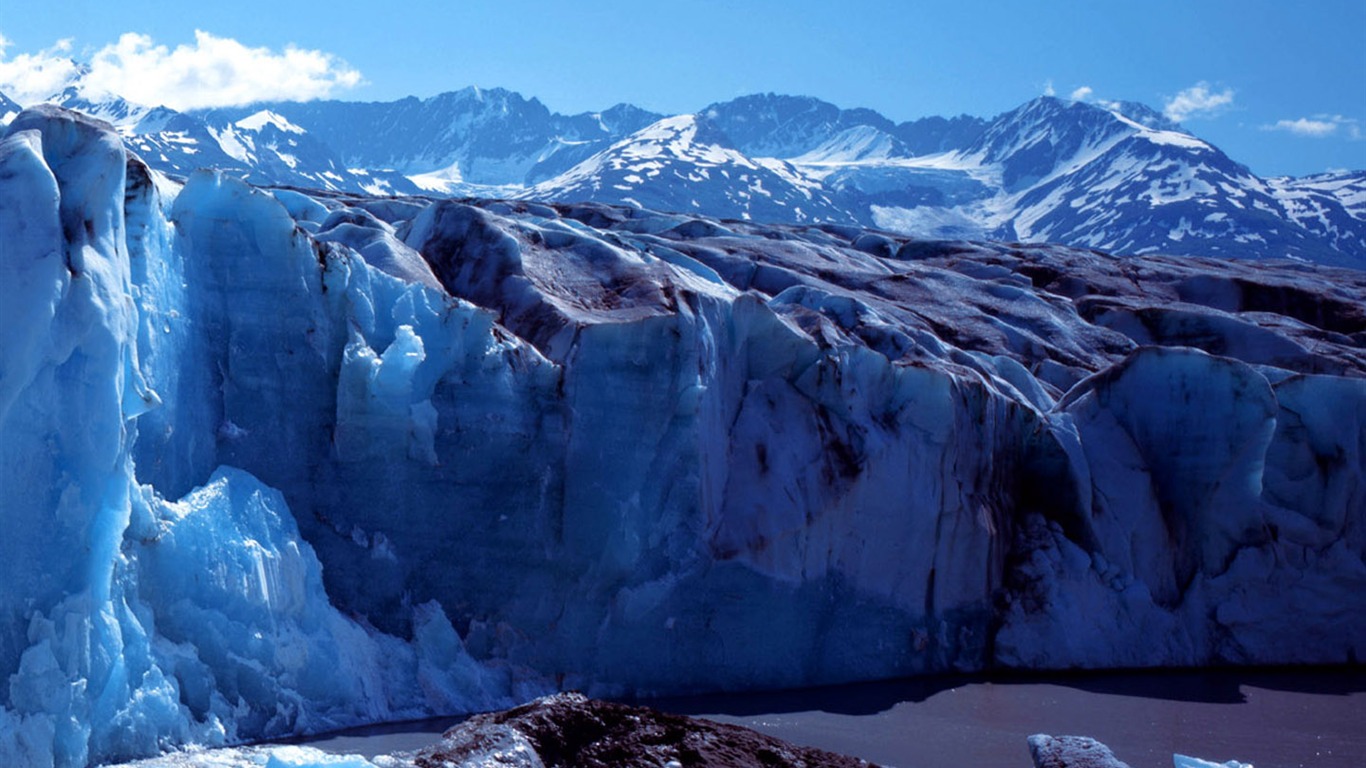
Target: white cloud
(214, 71)
(1048, 88)
(32, 77)
(1318, 126)
(1306, 127)
(1082, 94)
(1197, 101)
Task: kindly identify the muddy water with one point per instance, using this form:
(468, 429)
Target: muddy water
(1272, 719)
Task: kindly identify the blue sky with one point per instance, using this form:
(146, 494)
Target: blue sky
(1279, 86)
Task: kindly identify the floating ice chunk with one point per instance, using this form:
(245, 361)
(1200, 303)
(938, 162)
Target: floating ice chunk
(1071, 752)
(261, 757)
(307, 757)
(1183, 761)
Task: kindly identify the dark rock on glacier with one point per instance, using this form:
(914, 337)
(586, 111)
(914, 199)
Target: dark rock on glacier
(571, 731)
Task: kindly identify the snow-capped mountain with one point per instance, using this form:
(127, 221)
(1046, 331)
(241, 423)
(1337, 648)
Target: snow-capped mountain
(773, 125)
(1034, 141)
(478, 136)
(769, 125)
(859, 144)
(1112, 175)
(1331, 205)
(685, 164)
(1116, 176)
(1095, 176)
(260, 146)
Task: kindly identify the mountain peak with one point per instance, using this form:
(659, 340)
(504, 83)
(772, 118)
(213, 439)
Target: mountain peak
(1047, 133)
(860, 143)
(1144, 115)
(8, 109)
(772, 125)
(259, 120)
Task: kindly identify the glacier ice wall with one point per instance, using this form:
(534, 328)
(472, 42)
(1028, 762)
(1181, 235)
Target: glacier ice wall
(129, 622)
(274, 462)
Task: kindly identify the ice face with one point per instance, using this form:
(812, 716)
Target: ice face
(285, 463)
(202, 619)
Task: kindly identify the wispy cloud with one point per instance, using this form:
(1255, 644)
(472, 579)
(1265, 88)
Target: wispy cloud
(213, 71)
(1199, 100)
(1319, 126)
(1048, 88)
(1082, 94)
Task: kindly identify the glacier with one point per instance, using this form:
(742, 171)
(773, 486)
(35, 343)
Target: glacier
(277, 461)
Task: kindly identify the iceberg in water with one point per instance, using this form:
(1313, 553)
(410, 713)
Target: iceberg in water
(1182, 761)
(273, 462)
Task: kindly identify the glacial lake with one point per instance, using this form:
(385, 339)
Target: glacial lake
(1314, 718)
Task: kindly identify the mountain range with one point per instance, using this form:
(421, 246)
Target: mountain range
(1117, 176)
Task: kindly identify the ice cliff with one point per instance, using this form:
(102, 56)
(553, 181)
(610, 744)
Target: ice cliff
(275, 461)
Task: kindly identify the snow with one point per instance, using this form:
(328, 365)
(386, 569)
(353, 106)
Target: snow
(1174, 139)
(860, 143)
(926, 221)
(232, 144)
(259, 120)
(646, 167)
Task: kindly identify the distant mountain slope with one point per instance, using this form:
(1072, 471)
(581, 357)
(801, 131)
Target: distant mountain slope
(684, 164)
(1121, 177)
(769, 125)
(1331, 205)
(263, 148)
(772, 125)
(1153, 191)
(861, 143)
(476, 135)
(8, 109)
(931, 135)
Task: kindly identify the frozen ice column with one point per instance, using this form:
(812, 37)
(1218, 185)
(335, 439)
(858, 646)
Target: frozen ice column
(69, 387)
